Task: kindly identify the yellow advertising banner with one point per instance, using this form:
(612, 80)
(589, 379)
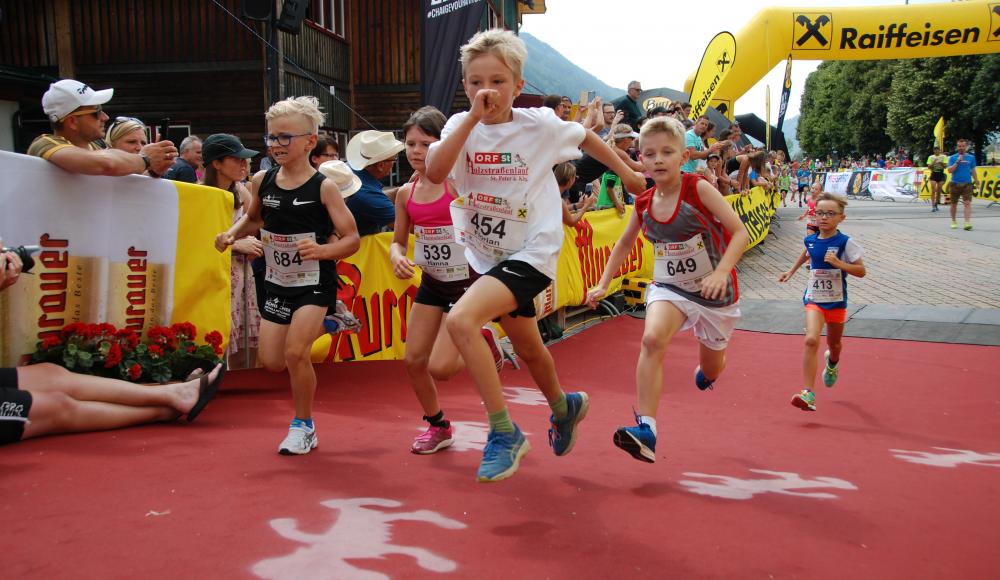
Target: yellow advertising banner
(858, 33)
(718, 60)
(988, 189)
(382, 302)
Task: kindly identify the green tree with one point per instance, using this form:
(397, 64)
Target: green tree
(868, 107)
(825, 104)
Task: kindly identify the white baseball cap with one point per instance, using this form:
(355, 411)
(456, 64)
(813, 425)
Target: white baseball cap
(67, 95)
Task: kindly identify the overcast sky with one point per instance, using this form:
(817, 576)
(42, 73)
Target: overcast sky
(667, 41)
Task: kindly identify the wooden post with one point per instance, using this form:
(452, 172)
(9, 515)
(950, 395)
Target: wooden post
(64, 40)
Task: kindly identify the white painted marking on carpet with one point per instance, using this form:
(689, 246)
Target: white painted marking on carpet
(784, 483)
(952, 458)
(358, 533)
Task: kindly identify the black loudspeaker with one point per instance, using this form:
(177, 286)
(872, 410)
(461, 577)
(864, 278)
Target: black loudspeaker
(257, 9)
(292, 13)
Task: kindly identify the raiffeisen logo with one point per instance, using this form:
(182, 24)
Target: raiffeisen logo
(899, 35)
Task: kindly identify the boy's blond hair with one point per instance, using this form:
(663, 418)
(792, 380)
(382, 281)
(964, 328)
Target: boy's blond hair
(661, 125)
(837, 199)
(503, 44)
(565, 173)
(307, 107)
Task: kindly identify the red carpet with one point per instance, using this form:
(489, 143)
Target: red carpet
(214, 499)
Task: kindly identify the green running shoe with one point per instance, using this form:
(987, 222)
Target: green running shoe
(805, 400)
(829, 373)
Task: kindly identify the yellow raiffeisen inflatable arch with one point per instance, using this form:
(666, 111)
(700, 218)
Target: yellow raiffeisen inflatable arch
(868, 33)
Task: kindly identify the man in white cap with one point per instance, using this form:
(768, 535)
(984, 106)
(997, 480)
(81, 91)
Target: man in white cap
(74, 110)
(371, 155)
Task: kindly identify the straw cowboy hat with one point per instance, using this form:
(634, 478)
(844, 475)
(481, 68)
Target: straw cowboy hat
(341, 174)
(368, 147)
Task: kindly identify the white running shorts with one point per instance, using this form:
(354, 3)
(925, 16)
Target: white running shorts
(712, 326)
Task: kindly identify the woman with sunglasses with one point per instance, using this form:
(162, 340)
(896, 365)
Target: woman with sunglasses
(227, 164)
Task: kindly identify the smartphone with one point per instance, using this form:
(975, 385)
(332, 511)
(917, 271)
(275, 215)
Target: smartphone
(163, 129)
(591, 95)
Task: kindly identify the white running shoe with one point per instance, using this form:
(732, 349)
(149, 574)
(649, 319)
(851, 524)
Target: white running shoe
(299, 441)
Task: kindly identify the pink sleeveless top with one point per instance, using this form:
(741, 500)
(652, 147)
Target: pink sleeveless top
(433, 214)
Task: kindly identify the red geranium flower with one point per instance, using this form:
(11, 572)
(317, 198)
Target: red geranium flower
(214, 338)
(184, 331)
(156, 350)
(162, 335)
(106, 329)
(129, 338)
(50, 341)
(74, 328)
(134, 371)
(114, 356)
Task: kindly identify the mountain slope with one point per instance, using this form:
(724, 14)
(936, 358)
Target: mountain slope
(552, 73)
(790, 128)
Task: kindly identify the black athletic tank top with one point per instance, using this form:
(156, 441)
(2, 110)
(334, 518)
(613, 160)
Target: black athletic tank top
(298, 211)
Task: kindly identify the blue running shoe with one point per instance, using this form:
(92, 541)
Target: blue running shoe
(700, 380)
(502, 454)
(638, 441)
(562, 434)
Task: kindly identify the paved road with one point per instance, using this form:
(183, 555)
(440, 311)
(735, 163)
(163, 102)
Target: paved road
(913, 257)
(925, 281)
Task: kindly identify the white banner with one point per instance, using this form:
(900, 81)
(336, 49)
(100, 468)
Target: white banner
(837, 182)
(133, 251)
(894, 184)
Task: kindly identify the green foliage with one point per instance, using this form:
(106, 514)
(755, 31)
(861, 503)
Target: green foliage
(870, 107)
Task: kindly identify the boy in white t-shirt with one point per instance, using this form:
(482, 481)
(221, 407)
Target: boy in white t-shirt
(508, 217)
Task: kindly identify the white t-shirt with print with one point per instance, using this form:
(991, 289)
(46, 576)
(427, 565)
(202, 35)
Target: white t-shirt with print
(514, 161)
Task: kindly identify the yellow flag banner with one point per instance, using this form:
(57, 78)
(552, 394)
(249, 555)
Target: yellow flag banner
(718, 60)
(132, 251)
(939, 134)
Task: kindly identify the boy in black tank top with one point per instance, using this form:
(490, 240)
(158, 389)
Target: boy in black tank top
(297, 211)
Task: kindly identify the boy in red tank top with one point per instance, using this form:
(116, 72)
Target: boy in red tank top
(697, 239)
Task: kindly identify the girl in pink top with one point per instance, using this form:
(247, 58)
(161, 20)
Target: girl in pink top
(810, 214)
(423, 208)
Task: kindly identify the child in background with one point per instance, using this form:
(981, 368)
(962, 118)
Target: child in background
(784, 185)
(572, 213)
(422, 207)
(305, 228)
(698, 238)
(810, 213)
(832, 255)
(508, 219)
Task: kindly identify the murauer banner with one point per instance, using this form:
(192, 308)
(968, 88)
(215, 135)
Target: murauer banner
(446, 26)
(133, 251)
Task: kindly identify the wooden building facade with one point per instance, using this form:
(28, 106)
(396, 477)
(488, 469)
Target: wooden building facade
(203, 65)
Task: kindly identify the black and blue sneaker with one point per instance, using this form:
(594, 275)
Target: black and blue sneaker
(638, 441)
(701, 381)
(562, 434)
(502, 455)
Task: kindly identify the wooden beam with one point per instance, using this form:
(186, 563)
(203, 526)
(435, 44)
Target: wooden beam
(64, 40)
